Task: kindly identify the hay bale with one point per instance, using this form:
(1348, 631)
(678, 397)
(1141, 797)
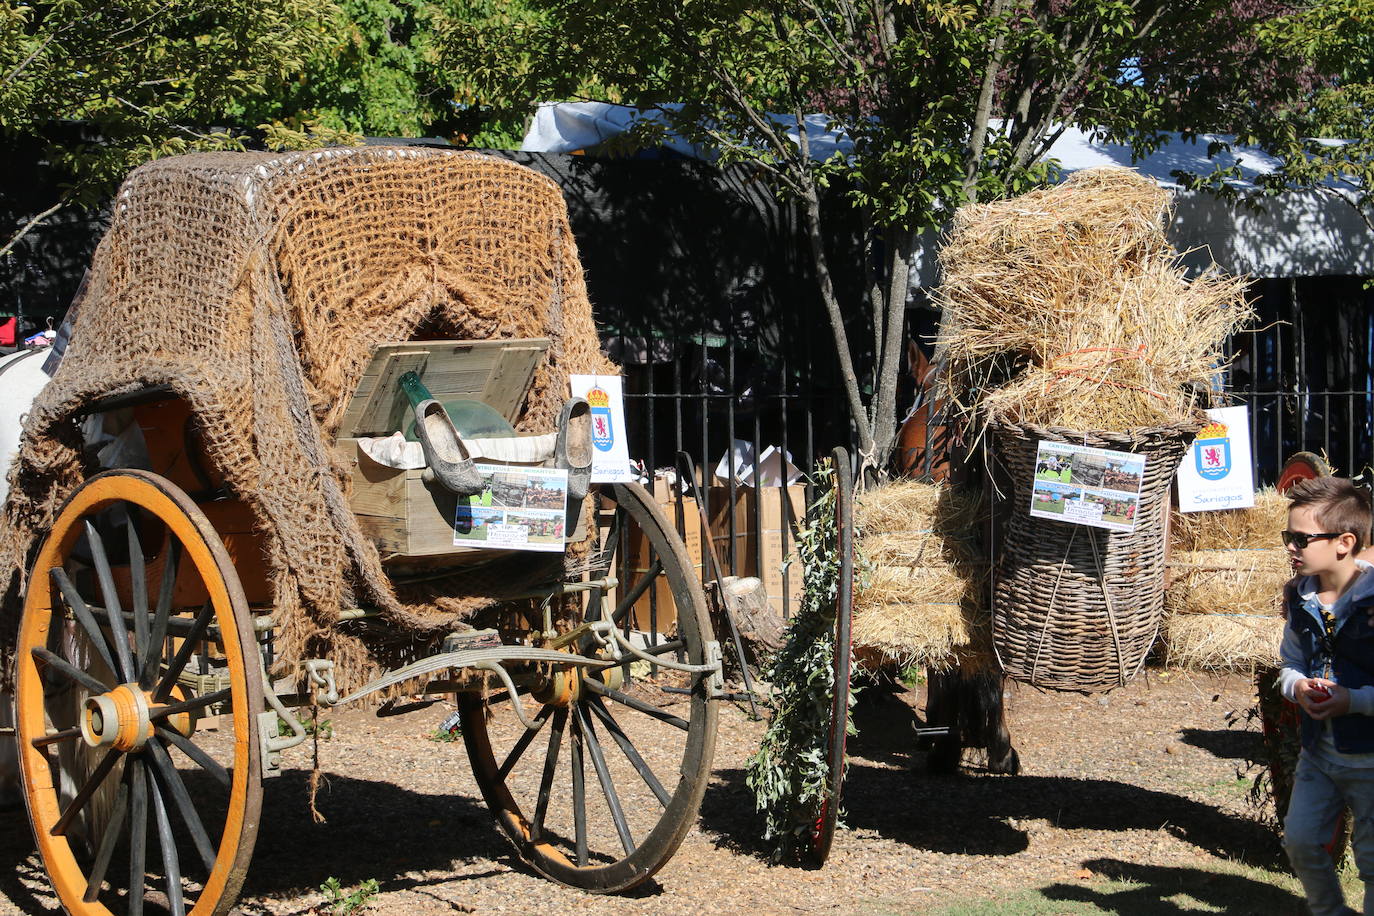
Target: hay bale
(1258, 526)
(911, 616)
(1068, 307)
(1240, 580)
(1222, 642)
(919, 601)
(1228, 571)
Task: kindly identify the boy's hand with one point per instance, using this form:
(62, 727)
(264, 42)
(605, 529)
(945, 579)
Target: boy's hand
(1322, 698)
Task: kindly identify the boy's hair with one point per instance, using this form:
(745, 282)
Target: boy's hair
(1337, 504)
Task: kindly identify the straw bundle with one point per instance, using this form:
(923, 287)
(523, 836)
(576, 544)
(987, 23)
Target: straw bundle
(1223, 602)
(1236, 580)
(921, 601)
(1067, 307)
(1214, 642)
(1258, 526)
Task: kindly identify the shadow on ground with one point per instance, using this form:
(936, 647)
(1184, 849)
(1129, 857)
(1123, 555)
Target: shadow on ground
(1163, 890)
(1226, 743)
(886, 725)
(975, 815)
(374, 830)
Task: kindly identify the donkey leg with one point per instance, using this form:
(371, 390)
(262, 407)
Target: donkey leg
(944, 702)
(1002, 757)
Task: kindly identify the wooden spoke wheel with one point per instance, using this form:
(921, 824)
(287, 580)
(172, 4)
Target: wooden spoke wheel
(823, 831)
(1302, 466)
(601, 792)
(138, 688)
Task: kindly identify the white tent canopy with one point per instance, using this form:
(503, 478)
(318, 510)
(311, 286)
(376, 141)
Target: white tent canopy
(1295, 234)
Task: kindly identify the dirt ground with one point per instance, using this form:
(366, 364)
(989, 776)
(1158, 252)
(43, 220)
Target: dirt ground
(1139, 785)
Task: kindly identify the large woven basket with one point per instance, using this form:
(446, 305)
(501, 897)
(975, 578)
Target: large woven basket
(1076, 607)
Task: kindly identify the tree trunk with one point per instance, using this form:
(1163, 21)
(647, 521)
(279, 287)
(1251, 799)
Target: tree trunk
(889, 313)
(760, 627)
(811, 209)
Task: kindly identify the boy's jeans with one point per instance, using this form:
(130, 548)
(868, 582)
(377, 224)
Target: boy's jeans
(1321, 789)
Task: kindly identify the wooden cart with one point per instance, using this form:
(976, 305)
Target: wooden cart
(146, 719)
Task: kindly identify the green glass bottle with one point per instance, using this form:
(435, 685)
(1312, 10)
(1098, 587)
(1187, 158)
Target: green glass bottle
(472, 419)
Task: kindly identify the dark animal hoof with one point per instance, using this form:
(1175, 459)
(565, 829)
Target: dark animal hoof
(1009, 765)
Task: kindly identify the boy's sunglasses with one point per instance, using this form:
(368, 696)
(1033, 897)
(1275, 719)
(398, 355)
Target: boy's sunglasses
(1300, 539)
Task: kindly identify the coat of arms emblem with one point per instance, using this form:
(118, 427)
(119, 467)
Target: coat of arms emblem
(603, 435)
(1212, 452)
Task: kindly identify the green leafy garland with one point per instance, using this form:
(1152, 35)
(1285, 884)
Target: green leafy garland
(789, 774)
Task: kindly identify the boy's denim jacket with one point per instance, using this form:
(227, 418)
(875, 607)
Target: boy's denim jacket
(1347, 659)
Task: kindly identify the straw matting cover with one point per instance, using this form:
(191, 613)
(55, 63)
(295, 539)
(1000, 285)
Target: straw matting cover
(256, 286)
(1077, 607)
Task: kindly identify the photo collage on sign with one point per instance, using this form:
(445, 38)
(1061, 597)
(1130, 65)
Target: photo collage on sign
(522, 508)
(1087, 486)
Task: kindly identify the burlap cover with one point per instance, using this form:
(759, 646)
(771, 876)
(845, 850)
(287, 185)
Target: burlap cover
(257, 285)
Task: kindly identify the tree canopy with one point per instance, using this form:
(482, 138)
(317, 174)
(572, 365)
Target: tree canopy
(144, 76)
(1324, 135)
(149, 78)
(945, 101)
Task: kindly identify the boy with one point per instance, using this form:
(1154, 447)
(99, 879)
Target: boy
(1328, 671)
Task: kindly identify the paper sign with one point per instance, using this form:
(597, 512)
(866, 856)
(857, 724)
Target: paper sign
(610, 453)
(1087, 486)
(520, 509)
(1217, 472)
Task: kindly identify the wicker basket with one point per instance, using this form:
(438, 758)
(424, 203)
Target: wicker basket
(1077, 607)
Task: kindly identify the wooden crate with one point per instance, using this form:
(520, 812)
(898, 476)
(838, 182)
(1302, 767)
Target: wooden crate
(495, 372)
(407, 517)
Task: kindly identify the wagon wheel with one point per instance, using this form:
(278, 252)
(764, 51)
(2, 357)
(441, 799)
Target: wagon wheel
(136, 805)
(604, 798)
(823, 833)
(1302, 466)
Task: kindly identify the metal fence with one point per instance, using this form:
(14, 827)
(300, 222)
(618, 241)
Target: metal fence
(1306, 373)
(700, 397)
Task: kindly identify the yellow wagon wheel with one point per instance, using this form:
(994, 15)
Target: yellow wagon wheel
(601, 791)
(138, 689)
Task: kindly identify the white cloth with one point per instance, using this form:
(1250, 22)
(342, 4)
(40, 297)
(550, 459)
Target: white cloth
(394, 451)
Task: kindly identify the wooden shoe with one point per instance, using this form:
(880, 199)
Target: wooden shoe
(573, 449)
(447, 457)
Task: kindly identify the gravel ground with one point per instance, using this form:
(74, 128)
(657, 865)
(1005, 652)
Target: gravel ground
(1140, 784)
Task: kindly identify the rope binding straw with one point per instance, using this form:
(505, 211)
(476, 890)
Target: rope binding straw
(1122, 355)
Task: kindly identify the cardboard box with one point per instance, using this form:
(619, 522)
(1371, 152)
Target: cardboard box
(655, 607)
(762, 544)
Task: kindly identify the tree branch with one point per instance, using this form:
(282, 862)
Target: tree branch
(36, 220)
(1034, 129)
(157, 117)
(811, 208)
(982, 114)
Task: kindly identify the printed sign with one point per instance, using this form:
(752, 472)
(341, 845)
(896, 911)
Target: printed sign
(520, 509)
(610, 454)
(1217, 472)
(1087, 486)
